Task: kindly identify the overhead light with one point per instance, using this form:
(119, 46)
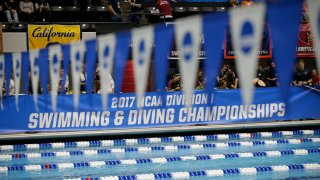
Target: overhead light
(59, 7)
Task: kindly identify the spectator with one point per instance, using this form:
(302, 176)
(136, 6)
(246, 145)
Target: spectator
(174, 83)
(11, 86)
(10, 8)
(247, 3)
(315, 78)
(83, 79)
(165, 10)
(222, 84)
(27, 10)
(232, 81)
(43, 10)
(200, 80)
(65, 87)
(260, 80)
(271, 76)
(302, 75)
(223, 73)
(136, 12)
(115, 10)
(234, 3)
(97, 83)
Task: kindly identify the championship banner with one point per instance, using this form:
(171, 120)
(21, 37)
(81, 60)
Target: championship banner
(40, 36)
(305, 46)
(122, 112)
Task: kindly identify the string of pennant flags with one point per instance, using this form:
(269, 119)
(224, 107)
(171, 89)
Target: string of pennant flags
(246, 27)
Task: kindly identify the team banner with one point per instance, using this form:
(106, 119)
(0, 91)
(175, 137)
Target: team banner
(142, 48)
(214, 27)
(77, 52)
(305, 46)
(246, 28)
(188, 47)
(17, 63)
(2, 66)
(284, 20)
(55, 57)
(123, 113)
(41, 36)
(35, 71)
(106, 51)
(314, 18)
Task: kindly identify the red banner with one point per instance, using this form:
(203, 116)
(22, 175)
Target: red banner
(305, 46)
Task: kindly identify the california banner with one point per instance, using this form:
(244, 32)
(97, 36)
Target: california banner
(41, 36)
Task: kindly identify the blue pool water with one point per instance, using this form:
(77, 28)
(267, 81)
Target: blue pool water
(277, 155)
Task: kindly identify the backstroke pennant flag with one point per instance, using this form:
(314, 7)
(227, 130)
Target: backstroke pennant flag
(142, 48)
(55, 57)
(163, 38)
(25, 71)
(213, 31)
(35, 74)
(314, 19)
(284, 21)
(2, 65)
(187, 33)
(77, 51)
(246, 30)
(17, 63)
(106, 51)
(91, 56)
(8, 70)
(121, 55)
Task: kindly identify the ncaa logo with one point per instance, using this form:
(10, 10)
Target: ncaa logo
(17, 68)
(78, 61)
(106, 53)
(187, 43)
(246, 39)
(55, 62)
(36, 65)
(141, 52)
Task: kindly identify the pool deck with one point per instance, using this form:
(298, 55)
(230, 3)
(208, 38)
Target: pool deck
(262, 126)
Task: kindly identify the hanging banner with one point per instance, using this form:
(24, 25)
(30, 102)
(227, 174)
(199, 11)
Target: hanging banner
(188, 47)
(106, 51)
(17, 63)
(122, 112)
(55, 57)
(142, 48)
(314, 18)
(40, 36)
(77, 52)
(35, 74)
(2, 65)
(305, 46)
(246, 29)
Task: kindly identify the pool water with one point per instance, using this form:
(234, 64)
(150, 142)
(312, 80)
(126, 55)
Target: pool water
(267, 155)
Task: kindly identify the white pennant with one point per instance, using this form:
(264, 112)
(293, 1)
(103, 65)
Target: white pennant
(35, 74)
(142, 47)
(314, 19)
(106, 51)
(246, 30)
(17, 62)
(77, 51)
(1, 78)
(187, 33)
(55, 57)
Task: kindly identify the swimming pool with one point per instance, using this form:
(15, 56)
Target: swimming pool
(260, 155)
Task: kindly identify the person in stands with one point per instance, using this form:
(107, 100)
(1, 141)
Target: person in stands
(302, 75)
(27, 10)
(115, 10)
(315, 78)
(165, 10)
(43, 10)
(10, 8)
(136, 12)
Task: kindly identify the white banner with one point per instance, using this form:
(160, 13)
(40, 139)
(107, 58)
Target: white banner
(187, 33)
(17, 63)
(77, 51)
(55, 57)
(35, 74)
(106, 51)
(1, 78)
(142, 48)
(314, 19)
(246, 30)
